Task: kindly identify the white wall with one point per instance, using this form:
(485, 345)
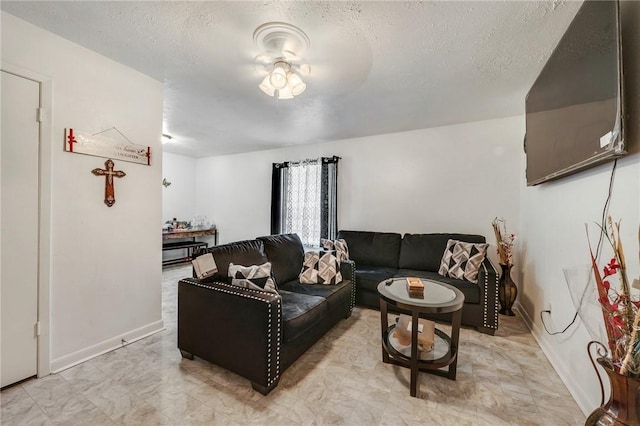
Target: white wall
(105, 262)
(553, 236)
(178, 199)
(446, 179)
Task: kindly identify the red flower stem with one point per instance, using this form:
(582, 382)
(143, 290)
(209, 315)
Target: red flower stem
(602, 294)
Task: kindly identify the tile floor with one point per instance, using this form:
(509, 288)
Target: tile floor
(502, 380)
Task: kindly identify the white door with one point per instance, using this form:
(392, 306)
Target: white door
(20, 99)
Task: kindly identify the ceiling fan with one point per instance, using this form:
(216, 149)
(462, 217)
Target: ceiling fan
(281, 60)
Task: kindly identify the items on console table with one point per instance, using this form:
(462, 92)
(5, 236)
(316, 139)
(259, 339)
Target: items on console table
(189, 243)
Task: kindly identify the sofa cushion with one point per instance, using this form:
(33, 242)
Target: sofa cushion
(340, 246)
(320, 267)
(286, 254)
(257, 277)
(300, 312)
(471, 291)
(249, 252)
(374, 248)
(334, 294)
(424, 251)
(462, 260)
(368, 277)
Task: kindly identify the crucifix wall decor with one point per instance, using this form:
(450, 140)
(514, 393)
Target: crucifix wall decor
(109, 173)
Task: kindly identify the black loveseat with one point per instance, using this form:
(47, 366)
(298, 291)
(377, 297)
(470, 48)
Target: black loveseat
(258, 334)
(382, 255)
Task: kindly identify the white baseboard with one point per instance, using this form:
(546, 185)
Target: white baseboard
(75, 358)
(557, 362)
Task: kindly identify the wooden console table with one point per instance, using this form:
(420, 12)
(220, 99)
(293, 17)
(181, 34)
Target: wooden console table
(190, 244)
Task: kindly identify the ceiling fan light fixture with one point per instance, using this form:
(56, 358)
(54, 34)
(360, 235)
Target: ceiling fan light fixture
(296, 84)
(284, 44)
(305, 69)
(283, 79)
(266, 86)
(285, 93)
(278, 77)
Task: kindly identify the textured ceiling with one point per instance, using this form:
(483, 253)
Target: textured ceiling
(376, 67)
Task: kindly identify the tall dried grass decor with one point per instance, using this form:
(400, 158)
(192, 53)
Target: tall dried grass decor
(507, 290)
(621, 357)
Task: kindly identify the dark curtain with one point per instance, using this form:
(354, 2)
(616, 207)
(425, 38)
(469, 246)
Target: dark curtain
(328, 196)
(277, 194)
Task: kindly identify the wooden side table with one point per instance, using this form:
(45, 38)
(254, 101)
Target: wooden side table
(438, 298)
(190, 246)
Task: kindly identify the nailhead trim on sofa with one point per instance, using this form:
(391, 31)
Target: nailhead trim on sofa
(486, 302)
(272, 380)
(271, 296)
(353, 284)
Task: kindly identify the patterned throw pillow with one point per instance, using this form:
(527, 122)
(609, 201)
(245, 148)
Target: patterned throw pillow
(462, 260)
(340, 246)
(257, 277)
(320, 267)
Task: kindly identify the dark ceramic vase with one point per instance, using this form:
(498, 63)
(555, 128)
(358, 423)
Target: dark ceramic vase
(507, 291)
(623, 407)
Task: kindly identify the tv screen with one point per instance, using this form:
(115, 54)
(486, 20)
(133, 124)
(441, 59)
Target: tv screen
(574, 110)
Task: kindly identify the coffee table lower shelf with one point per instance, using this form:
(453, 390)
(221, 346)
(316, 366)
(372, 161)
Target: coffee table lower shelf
(446, 355)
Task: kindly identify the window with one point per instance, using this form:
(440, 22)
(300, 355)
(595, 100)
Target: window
(304, 199)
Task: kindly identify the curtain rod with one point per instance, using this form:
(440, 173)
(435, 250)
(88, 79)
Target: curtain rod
(325, 160)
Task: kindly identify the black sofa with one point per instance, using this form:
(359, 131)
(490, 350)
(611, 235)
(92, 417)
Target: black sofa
(382, 255)
(258, 334)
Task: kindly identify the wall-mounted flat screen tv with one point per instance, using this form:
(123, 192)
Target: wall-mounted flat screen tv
(574, 110)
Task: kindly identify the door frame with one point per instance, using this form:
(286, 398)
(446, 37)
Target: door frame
(45, 151)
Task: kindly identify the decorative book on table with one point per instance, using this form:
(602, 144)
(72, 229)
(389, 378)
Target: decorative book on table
(426, 331)
(204, 266)
(415, 287)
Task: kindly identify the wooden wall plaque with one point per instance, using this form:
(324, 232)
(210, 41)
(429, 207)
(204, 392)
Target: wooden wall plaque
(110, 143)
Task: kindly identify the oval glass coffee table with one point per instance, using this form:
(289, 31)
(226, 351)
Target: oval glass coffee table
(439, 298)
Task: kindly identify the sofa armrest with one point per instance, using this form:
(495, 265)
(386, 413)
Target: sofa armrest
(488, 282)
(348, 271)
(237, 328)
